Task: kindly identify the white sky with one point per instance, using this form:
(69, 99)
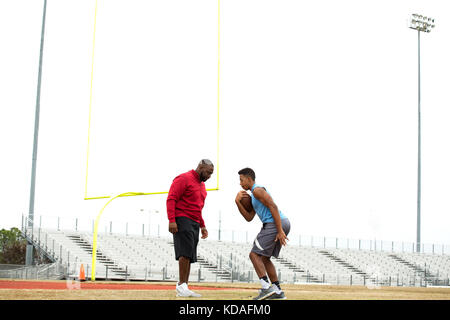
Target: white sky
(318, 97)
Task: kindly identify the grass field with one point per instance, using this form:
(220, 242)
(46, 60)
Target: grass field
(45, 290)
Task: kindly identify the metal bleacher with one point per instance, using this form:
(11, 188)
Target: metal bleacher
(132, 257)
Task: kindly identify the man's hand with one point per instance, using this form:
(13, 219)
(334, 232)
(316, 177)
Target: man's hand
(173, 228)
(282, 237)
(240, 195)
(204, 233)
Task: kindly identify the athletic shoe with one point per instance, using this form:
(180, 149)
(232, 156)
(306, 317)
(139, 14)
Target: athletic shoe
(264, 293)
(194, 294)
(183, 291)
(277, 296)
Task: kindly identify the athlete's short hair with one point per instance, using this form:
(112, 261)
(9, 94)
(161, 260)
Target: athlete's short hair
(248, 172)
(206, 162)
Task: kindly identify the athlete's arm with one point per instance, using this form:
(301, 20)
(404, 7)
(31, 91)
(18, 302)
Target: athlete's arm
(247, 215)
(265, 198)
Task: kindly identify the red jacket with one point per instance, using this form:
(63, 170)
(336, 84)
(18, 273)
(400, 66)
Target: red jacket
(186, 197)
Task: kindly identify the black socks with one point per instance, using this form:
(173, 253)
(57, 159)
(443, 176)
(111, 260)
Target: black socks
(277, 283)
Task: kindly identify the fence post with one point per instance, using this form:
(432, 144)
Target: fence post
(351, 282)
(126, 273)
(76, 224)
(359, 244)
(106, 276)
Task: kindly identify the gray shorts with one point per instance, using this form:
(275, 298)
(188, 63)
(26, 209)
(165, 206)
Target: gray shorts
(265, 244)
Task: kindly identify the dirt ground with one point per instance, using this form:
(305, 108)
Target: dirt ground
(42, 290)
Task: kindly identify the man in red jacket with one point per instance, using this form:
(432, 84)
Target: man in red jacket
(184, 209)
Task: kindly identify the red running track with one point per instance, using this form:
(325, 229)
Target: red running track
(55, 285)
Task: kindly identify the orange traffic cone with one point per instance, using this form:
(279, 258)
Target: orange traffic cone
(82, 276)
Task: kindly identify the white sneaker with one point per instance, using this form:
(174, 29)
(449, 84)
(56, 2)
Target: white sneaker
(194, 294)
(183, 291)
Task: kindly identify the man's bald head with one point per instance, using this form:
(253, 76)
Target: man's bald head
(205, 169)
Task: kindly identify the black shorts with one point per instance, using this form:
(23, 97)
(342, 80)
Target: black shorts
(186, 239)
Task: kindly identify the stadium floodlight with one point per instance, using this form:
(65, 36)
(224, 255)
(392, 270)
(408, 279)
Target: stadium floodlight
(421, 24)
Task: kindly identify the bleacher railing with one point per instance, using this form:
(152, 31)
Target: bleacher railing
(49, 271)
(157, 230)
(235, 269)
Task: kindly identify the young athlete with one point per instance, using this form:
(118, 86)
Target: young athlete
(272, 236)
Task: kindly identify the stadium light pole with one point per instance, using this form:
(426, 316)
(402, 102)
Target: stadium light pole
(29, 251)
(421, 24)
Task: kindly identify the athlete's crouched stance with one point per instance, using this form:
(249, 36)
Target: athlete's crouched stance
(269, 240)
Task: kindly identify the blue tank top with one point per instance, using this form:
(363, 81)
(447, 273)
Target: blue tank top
(261, 210)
